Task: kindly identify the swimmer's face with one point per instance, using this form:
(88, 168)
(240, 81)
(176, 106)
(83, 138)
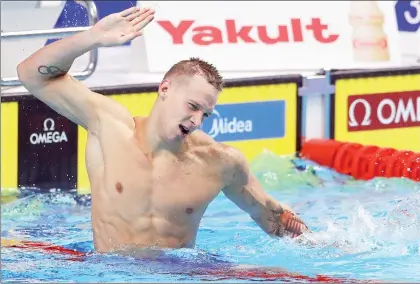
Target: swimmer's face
(186, 103)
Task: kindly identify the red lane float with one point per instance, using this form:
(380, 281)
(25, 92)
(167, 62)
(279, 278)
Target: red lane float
(383, 156)
(344, 160)
(412, 169)
(363, 162)
(397, 163)
(321, 151)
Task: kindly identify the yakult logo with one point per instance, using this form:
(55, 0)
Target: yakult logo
(222, 125)
(382, 111)
(296, 30)
(49, 135)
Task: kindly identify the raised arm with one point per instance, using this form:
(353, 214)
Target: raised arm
(244, 190)
(44, 73)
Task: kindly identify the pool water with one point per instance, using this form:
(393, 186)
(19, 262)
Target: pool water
(361, 230)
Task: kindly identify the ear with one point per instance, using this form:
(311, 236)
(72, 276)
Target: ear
(163, 89)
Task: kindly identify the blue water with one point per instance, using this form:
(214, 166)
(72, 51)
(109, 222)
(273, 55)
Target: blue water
(362, 230)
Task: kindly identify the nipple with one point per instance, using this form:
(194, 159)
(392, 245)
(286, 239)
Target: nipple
(119, 187)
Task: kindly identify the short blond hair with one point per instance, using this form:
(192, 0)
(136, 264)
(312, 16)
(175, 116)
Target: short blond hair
(196, 66)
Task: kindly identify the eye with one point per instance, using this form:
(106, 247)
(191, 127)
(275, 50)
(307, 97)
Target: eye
(193, 107)
(206, 115)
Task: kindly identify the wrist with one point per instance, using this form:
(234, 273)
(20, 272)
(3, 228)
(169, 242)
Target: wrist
(90, 39)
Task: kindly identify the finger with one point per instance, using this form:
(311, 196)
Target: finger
(142, 17)
(140, 26)
(130, 36)
(136, 14)
(128, 11)
(143, 24)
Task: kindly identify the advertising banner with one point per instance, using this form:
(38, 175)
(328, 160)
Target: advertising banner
(9, 144)
(408, 21)
(247, 121)
(47, 147)
(284, 35)
(382, 111)
(256, 118)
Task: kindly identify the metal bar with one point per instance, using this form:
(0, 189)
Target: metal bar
(93, 54)
(43, 33)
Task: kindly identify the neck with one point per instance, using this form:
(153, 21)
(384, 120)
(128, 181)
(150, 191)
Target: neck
(152, 143)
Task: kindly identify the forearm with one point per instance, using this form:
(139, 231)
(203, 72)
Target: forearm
(279, 220)
(56, 58)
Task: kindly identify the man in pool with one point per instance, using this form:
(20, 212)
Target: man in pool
(153, 177)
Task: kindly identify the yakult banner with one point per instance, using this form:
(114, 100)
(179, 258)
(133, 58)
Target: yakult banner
(382, 111)
(284, 35)
(408, 21)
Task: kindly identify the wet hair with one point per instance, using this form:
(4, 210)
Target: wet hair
(195, 66)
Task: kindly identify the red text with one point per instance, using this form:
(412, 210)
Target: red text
(232, 33)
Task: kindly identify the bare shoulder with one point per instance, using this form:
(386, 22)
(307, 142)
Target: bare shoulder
(139, 121)
(227, 158)
(111, 109)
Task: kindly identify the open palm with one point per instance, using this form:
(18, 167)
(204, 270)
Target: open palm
(119, 28)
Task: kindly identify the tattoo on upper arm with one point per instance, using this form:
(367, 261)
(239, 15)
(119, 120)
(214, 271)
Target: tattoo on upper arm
(51, 70)
(283, 222)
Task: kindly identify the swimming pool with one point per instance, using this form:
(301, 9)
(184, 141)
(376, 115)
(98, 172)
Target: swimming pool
(362, 230)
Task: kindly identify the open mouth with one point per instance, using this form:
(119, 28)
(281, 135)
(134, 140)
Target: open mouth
(184, 130)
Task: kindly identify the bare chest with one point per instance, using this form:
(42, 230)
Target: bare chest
(167, 188)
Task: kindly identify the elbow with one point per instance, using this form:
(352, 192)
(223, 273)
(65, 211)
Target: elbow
(20, 70)
(23, 74)
(27, 78)
(24, 77)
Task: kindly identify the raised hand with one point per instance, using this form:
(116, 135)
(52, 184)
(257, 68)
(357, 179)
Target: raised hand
(120, 28)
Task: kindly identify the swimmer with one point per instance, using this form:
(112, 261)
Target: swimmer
(152, 177)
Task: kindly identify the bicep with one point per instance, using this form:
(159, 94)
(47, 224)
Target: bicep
(78, 103)
(242, 187)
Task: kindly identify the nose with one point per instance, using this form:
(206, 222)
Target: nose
(196, 119)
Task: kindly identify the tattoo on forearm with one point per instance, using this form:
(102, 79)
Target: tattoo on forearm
(51, 70)
(253, 200)
(283, 222)
(277, 228)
